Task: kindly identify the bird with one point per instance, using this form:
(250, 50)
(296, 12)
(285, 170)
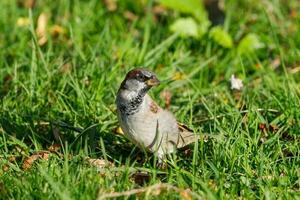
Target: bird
(144, 122)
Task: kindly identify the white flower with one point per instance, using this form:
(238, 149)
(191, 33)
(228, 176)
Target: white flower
(236, 83)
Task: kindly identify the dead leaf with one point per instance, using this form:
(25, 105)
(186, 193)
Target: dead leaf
(66, 68)
(141, 178)
(130, 15)
(28, 162)
(99, 163)
(45, 155)
(155, 190)
(5, 167)
(20, 150)
(12, 159)
(54, 147)
(265, 128)
(236, 84)
(159, 10)
(185, 194)
(262, 127)
(275, 63)
(29, 3)
(294, 70)
(258, 66)
(41, 30)
(26, 3)
(57, 30)
(293, 13)
(166, 95)
(111, 5)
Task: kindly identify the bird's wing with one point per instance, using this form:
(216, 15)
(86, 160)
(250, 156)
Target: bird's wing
(156, 138)
(186, 136)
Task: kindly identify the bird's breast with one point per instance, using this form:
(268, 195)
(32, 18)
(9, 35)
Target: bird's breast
(140, 127)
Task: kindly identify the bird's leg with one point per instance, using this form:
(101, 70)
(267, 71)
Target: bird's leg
(161, 163)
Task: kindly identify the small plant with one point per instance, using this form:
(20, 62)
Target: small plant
(197, 24)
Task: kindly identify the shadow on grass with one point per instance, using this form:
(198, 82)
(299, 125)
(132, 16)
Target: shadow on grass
(90, 140)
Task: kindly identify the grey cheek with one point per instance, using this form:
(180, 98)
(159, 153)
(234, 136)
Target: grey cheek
(148, 75)
(132, 84)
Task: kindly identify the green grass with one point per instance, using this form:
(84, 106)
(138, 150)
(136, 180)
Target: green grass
(251, 148)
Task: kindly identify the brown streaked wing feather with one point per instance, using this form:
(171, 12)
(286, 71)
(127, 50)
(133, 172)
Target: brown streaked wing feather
(183, 127)
(186, 136)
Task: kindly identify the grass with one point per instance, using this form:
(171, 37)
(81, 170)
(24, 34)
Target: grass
(251, 144)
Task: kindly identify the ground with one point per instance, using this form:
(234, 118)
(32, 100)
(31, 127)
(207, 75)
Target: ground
(62, 64)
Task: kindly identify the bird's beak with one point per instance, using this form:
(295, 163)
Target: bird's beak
(153, 81)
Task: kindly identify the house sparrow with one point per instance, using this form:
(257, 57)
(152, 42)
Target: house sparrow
(144, 122)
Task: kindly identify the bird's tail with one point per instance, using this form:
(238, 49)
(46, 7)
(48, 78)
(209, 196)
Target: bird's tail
(186, 136)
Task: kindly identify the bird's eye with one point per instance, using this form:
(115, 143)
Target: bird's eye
(140, 76)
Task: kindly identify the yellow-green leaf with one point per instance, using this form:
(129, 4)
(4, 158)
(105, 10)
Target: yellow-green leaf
(185, 6)
(250, 43)
(185, 27)
(221, 37)
(193, 7)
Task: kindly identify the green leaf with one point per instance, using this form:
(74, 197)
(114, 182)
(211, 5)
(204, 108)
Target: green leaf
(249, 43)
(185, 6)
(185, 27)
(193, 7)
(222, 37)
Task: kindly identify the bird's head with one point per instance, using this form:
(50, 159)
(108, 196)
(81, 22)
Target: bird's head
(139, 80)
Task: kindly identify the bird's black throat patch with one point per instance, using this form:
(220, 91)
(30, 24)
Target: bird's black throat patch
(132, 106)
